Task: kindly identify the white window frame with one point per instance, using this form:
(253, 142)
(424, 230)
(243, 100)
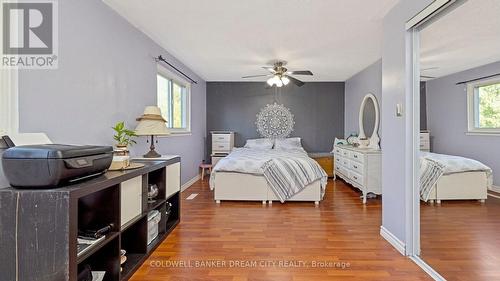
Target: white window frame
(162, 71)
(9, 96)
(471, 108)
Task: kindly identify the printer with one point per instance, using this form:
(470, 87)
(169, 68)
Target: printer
(50, 165)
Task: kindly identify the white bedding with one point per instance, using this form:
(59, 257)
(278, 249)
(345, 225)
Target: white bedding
(290, 169)
(433, 166)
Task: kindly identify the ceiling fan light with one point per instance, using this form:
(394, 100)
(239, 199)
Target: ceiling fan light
(285, 80)
(278, 82)
(270, 81)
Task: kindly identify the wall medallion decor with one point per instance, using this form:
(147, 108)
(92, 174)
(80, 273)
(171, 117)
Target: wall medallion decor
(275, 121)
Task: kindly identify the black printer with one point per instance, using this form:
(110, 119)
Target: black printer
(50, 165)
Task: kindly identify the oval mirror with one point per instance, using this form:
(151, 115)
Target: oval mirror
(369, 122)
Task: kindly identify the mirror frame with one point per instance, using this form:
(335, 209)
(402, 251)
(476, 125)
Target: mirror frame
(374, 139)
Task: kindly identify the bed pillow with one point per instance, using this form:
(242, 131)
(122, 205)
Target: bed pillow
(289, 143)
(259, 144)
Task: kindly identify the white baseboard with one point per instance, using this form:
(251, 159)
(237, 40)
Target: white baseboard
(393, 240)
(190, 182)
(495, 188)
(427, 268)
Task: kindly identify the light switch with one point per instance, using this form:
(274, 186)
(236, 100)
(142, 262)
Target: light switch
(399, 110)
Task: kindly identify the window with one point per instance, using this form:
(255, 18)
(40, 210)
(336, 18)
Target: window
(174, 98)
(484, 106)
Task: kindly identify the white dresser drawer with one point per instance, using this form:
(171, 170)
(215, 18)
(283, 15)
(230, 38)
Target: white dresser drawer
(345, 162)
(338, 160)
(356, 156)
(356, 167)
(424, 136)
(338, 151)
(356, 177)
(221, 146)
(425, 145)
(345, 153)
(226, 138)
(343, 170)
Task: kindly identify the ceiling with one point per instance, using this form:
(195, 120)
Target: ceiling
(466, 37)
(222, 40)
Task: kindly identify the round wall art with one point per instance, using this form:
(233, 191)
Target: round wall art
(275, 121)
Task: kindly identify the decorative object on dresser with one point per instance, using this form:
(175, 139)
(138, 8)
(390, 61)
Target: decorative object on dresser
(425, 141)
(123, 138)
(222, 145)
(113, 206)
(151, 123)
(326, 161)
(361, 167)
(369, 105)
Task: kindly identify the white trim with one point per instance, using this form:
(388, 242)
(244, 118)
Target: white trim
(495, 188)
(494, 196)
(487, 134)
(393, 240)
(472, 113)
(427, 268)
(190, 182)
(169, 75)
(427, 12)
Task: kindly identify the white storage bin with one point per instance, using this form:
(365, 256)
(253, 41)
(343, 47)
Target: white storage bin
(154, 218)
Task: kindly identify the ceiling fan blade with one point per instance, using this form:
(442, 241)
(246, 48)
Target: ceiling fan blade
(270, 69)
(254, 76)
(295, 81)
(300, 72)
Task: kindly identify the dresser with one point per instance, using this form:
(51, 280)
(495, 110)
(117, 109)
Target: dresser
(360, 167)
(425, 141)
(222, 145)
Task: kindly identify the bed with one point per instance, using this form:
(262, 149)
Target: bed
(267, 175)
(447, 177)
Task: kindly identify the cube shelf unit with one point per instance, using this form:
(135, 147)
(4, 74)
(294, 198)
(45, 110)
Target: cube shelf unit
(40, 226)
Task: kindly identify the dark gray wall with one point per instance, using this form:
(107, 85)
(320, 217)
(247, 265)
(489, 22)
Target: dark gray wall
(318, 109)
(106, 74)
(447, 120)
(423, 106)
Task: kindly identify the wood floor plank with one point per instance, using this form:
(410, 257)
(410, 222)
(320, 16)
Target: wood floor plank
(460, 240)
(340, 230)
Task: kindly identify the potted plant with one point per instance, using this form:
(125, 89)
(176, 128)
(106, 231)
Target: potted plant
(123, 137)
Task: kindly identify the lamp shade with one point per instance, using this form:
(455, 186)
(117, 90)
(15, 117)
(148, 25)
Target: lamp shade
(151, 123)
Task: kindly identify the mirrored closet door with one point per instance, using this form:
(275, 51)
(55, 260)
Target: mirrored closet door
(460, 141)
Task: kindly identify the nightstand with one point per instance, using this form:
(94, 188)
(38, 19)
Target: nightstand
(326, 161)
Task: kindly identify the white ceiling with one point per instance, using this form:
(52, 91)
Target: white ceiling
(222, 40)
(467, 37)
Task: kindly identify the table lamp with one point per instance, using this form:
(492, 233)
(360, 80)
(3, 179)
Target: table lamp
(151, 123)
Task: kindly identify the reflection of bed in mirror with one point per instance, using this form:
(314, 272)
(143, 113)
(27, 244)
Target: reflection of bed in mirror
(446, 177)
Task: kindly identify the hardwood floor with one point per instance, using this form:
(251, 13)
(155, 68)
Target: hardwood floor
(340, 230)
(461, 239)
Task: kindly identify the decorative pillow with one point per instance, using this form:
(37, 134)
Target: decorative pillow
(259, 144)
(289, 143)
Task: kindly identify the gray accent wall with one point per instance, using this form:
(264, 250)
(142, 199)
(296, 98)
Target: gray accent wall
(357, 87)
(106, 74)
(397, 134)
(318, 109)
(447, 120)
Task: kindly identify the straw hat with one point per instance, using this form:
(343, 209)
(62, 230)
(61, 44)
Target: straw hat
(152, 113)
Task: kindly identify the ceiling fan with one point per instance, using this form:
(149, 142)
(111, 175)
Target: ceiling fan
(280, 76)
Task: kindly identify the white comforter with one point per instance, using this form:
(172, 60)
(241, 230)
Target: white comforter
(287, 171)
(433, 166)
